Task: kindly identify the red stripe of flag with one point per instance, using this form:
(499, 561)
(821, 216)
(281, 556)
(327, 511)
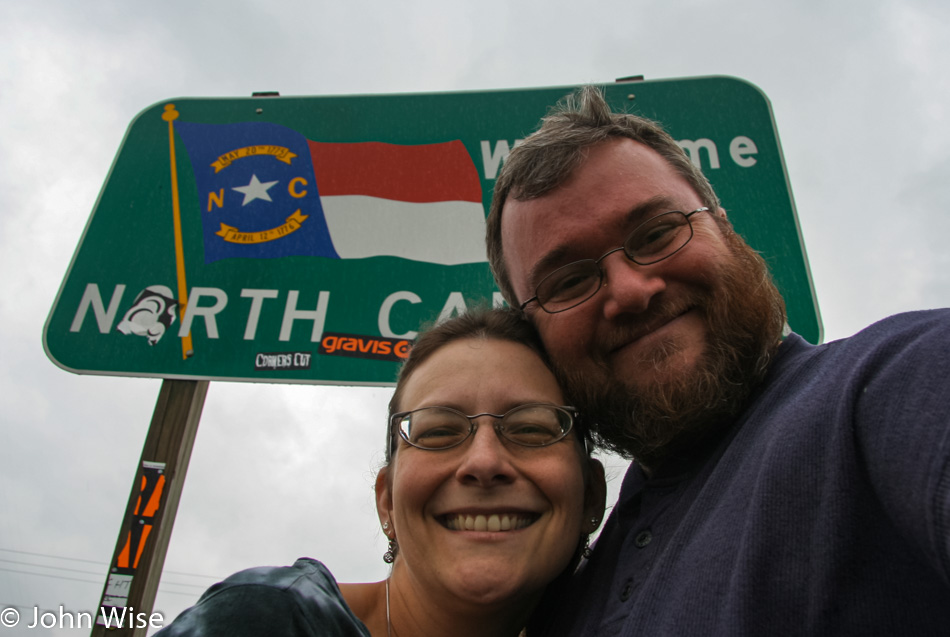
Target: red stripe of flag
(420, 174)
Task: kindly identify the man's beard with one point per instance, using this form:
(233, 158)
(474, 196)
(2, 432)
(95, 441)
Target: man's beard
(744, 315)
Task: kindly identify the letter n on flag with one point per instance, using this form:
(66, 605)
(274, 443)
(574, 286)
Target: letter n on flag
(265, 191)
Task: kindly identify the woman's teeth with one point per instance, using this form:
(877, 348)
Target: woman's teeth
(493, 522)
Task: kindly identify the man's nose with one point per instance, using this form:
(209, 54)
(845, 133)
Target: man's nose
(629, 288)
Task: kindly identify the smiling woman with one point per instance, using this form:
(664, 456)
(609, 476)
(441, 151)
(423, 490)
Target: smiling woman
(489, 495)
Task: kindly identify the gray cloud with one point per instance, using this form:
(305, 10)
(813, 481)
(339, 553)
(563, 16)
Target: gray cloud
(859, 93)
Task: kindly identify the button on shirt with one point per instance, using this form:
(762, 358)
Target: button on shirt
(644, 525)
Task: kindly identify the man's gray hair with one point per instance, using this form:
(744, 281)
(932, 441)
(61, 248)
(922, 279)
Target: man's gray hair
(547, 158)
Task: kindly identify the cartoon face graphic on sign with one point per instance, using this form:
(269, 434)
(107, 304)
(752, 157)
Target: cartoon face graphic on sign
(152, 313)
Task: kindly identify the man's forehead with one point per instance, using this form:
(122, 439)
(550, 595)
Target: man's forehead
(619, 184)
(620, 172)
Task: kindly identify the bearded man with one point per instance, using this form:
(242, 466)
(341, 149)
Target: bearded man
(776, 486)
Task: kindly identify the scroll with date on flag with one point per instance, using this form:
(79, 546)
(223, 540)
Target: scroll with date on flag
(268, 192)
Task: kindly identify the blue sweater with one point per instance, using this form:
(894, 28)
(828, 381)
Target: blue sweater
(825, 510)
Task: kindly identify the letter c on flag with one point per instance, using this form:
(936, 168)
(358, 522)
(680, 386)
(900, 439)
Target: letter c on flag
(292, 187)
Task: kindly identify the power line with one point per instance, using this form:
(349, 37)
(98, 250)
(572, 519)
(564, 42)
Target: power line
(57, 557)
(69, 579)
(161, 586)
(73, 570)
(58, 568)
(99, 563)
(164, 583)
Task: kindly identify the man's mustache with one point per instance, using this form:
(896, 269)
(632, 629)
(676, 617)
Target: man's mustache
(632, 327)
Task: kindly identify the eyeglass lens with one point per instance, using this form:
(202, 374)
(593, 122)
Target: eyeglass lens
(652, 241)
(441, 427)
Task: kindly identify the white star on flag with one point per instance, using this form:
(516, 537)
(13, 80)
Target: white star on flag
(255, 190)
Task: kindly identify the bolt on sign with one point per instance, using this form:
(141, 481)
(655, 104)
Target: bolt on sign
(307, 239)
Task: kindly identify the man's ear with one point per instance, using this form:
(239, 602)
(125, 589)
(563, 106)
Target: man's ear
(720, 212)
(595, 497)
(384, 500)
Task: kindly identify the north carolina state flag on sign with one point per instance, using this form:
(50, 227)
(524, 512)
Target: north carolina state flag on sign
(265, 191)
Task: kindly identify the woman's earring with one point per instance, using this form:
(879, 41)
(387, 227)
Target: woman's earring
(390, 555)
(587, 551)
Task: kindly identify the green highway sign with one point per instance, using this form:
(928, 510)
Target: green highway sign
(307, 239)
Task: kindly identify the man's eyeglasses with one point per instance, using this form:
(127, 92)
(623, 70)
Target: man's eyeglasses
(530, 425)
(653, 240)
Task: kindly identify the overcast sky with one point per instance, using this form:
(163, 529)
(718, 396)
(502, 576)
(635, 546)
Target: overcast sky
(860, 95)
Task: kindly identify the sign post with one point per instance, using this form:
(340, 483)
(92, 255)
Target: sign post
(136, 567)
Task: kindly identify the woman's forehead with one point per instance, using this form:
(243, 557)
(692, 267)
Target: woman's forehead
(470, 373)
